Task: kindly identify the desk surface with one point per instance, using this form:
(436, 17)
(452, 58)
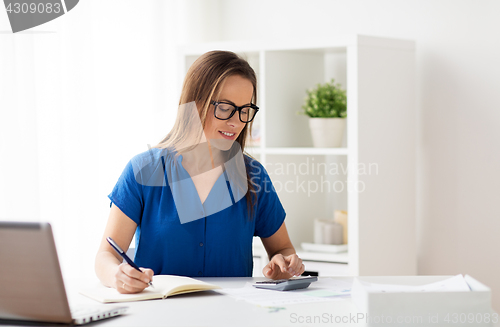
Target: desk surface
(214, 309)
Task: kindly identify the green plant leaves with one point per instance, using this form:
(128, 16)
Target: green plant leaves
(326, 101)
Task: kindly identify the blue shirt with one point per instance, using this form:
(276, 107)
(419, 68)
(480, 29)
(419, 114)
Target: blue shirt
(217, 245)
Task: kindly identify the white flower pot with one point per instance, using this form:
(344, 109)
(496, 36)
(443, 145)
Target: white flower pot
(327, 132)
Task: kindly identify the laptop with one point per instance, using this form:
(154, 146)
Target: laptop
(31, 283)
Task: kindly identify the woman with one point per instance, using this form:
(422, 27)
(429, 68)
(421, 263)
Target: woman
(184, 197)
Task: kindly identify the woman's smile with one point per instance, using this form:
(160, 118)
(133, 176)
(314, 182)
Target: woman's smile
(228, 135)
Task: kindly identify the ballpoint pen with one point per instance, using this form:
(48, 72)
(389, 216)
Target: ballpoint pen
(122, 253)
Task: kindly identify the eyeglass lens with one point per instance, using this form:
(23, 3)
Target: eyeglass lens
(224, 110)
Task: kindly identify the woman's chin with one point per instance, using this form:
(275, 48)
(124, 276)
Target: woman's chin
(222, 144)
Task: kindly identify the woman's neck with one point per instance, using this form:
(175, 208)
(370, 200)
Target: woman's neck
(202, 158)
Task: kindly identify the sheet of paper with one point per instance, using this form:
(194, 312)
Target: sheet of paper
(454, 284)
(325, 289)
(326, 286)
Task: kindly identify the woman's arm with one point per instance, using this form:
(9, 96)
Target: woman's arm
(283, 261)
(108, 264)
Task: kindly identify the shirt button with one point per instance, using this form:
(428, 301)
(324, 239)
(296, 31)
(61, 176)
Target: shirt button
(200, 273)
(201, 244)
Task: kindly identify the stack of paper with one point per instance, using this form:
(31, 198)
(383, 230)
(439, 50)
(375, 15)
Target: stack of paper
(453, 284)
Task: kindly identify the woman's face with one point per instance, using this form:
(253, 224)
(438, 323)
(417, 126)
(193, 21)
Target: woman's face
(236, 90)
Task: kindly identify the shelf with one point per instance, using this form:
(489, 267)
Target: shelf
(325, 257)
(311, 44)
(299, 151)
(259, 251)
(377, 162)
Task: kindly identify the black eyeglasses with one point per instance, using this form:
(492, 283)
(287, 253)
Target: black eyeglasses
(225, 110)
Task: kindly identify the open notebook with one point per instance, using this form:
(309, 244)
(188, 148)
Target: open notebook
(164, 286)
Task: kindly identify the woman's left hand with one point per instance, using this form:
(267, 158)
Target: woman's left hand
(282, 267)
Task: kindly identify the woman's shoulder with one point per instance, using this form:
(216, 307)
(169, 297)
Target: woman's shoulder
(148, 166)
(253, 166)
(152, 155)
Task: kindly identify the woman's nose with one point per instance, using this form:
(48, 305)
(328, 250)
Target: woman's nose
(234, 121)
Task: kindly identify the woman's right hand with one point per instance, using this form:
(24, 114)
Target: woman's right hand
(128, 280)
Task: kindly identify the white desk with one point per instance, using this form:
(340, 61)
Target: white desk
(213, 309)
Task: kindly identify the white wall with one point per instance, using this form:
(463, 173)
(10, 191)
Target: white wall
(459, 127)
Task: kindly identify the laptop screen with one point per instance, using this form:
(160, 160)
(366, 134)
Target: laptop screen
(31, 282)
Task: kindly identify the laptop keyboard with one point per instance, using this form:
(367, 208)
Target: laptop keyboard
(83, 315)
(78, 312)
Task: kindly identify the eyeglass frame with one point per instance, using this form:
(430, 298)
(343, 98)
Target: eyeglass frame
(236, 108)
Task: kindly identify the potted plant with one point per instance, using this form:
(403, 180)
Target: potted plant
(326, 106)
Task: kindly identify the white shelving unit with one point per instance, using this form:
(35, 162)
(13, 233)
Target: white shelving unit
(379, 150)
